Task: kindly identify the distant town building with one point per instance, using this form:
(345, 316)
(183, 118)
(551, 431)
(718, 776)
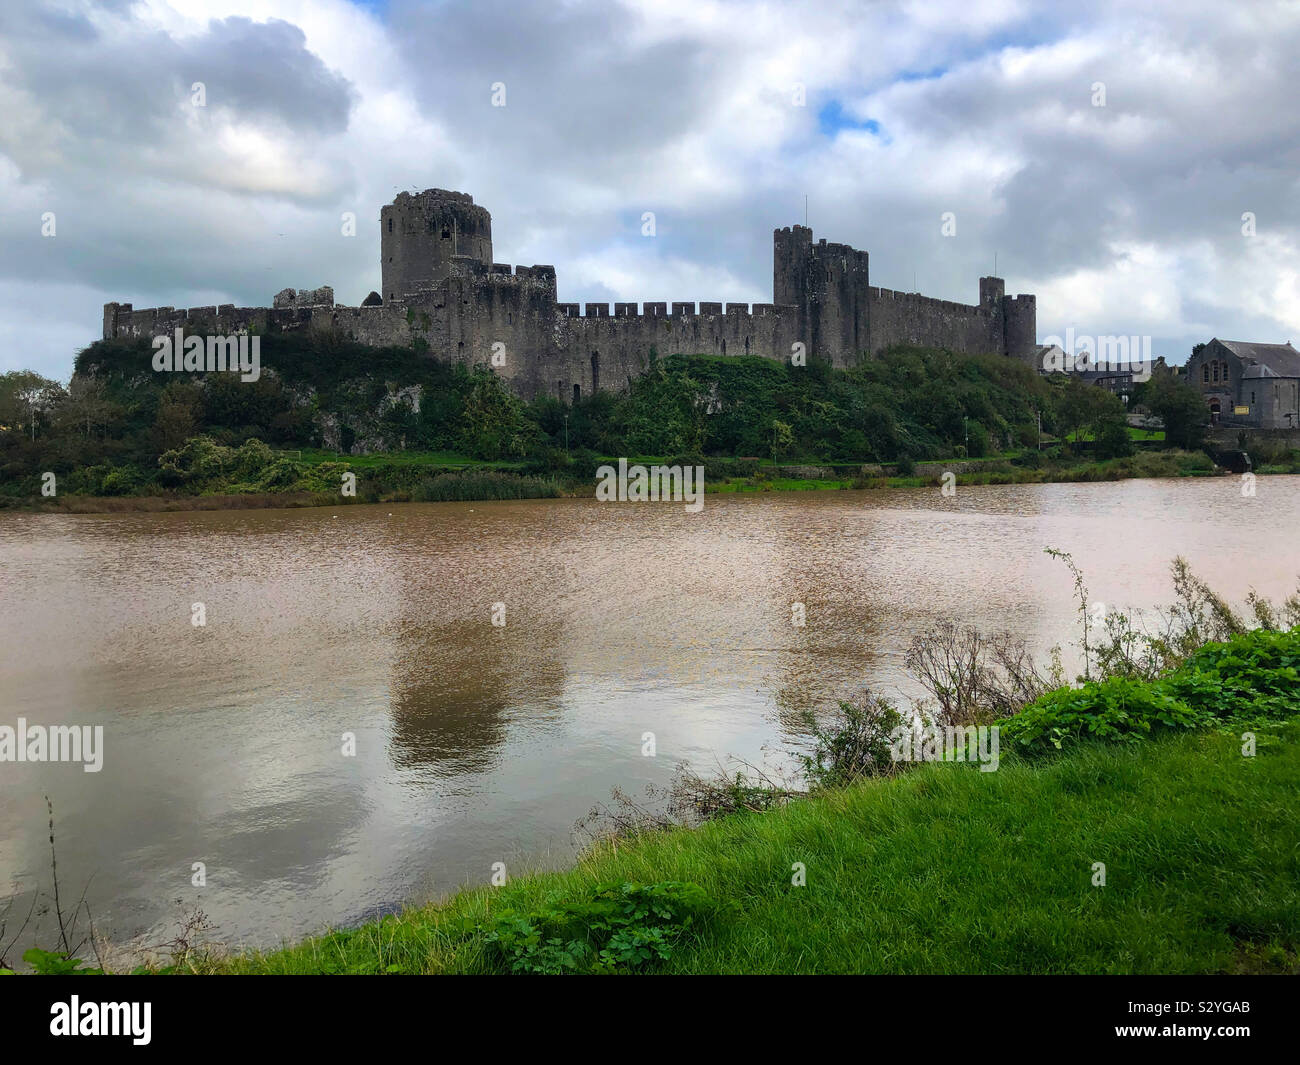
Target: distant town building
(1248, 384)
(1119, 378)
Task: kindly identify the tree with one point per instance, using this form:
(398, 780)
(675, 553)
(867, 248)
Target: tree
(27, 399)
(175, 420)
(1079, 405)
(782, 438)
(1113, 440)
(1181, 408)
(87, 406)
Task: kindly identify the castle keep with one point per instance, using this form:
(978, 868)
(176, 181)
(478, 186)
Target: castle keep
(442, 295)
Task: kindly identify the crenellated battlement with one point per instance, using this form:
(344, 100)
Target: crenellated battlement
(675, 311)
(442, 294)
(947, 306)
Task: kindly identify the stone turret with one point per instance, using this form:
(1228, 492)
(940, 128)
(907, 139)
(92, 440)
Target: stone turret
(422, 235)
(829, 285)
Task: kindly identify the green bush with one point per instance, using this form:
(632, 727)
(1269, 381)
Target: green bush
(54, 963)
(853, 744)
(1115, 708)
(617, 928)
(1252, 676)
(121, 481)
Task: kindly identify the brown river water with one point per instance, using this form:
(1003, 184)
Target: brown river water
(476, 743)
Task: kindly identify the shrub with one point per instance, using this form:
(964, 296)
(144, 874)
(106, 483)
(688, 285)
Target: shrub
(1254, 675)
(1115, 708)
(616, 928)
(121, 481)
(853, 744)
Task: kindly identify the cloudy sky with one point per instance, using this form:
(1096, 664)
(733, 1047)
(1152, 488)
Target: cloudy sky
(720, 117)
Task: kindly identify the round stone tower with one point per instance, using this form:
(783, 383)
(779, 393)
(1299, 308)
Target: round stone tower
(1020, 327)
(420, 233)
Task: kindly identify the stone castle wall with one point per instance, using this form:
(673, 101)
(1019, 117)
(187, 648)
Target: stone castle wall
(910, 318)
(444, 297)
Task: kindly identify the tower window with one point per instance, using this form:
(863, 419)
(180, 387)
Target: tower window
(446, 233)
(390, 225)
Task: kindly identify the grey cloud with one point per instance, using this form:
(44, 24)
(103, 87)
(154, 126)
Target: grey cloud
(128, 87)
(605, 111)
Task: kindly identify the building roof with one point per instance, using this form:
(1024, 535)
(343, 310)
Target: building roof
(1281, 359)
(1103, 375)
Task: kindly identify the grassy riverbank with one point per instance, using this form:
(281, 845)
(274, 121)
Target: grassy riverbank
(942, 870)
(327, 411)
(1140, 820)
(422, 477)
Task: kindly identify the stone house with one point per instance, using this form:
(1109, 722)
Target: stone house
(1255, 385)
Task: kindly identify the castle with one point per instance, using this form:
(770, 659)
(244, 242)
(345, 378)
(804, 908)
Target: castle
(443, 295)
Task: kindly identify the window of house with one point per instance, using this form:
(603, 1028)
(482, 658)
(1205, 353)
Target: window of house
(1205, 373)
(390, 225)
(1216, 371)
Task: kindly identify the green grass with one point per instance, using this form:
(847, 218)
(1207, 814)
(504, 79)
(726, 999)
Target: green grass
(1134, 433)
(945, 870)
(470, 485)
(774, 484)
